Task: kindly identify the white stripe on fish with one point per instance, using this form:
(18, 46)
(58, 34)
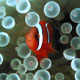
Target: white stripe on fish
(38, 26)
(47, 32)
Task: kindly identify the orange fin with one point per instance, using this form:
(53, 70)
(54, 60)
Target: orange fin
(50, 49)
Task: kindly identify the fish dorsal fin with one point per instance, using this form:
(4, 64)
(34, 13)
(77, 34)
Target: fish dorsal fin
(47, 32)
(38, 26)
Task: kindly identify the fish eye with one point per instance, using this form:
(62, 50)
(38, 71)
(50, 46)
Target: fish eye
(36, 36)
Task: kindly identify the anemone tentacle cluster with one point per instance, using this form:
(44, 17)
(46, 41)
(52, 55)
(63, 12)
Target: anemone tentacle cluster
(17, 17)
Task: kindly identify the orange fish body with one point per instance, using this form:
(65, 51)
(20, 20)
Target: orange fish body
(32, 40)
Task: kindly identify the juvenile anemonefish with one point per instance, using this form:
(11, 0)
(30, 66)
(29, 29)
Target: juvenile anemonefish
(39, 40)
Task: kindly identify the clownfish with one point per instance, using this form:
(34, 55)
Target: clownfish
(39, 40)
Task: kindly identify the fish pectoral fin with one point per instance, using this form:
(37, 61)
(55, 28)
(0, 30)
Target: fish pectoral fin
(50, 49)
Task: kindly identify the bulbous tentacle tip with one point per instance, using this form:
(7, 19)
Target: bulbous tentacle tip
(39, 57)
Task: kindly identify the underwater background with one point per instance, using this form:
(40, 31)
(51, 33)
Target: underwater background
(59, 64)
